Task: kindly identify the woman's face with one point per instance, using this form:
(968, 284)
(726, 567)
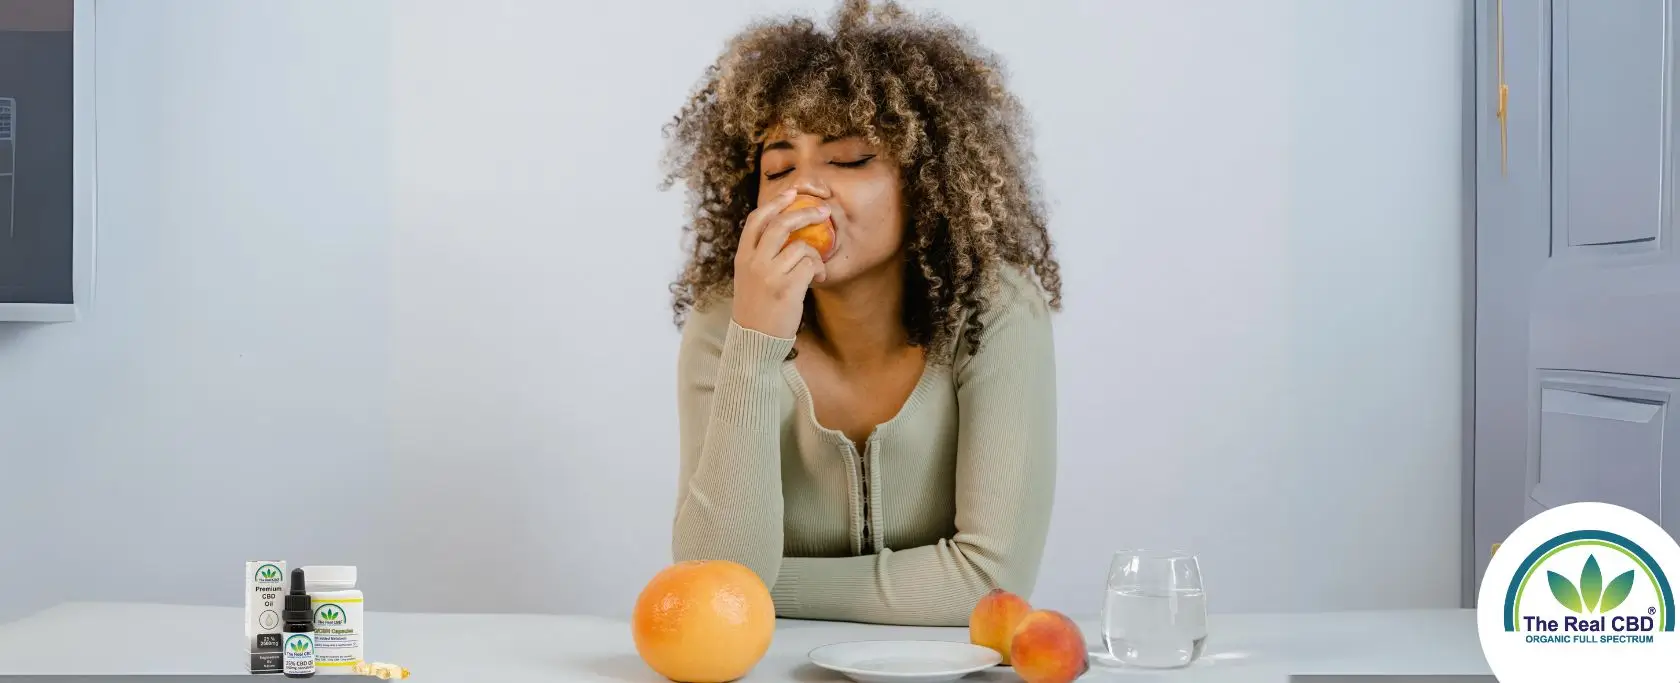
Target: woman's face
(861, 186)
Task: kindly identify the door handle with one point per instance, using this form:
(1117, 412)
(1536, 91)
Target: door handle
(1502, 111)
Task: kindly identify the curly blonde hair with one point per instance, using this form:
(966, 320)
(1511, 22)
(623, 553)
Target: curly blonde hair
(920, 88)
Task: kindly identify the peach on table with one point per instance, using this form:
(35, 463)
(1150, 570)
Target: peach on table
(1044, 646)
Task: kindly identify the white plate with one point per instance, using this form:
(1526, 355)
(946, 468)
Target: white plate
(905, 661)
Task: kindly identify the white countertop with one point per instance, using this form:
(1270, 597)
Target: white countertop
(121, 638)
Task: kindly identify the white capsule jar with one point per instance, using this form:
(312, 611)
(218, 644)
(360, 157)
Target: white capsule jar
(337, 605)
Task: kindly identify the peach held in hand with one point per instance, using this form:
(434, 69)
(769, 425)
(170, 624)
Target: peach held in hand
(1047, 647)
(993, 620)
(819, 235)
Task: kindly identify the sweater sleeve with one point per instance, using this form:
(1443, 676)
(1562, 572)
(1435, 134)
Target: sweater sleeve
(1005, 480)
(729, 483)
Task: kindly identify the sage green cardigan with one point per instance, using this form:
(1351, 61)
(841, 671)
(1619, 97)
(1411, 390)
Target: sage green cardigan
(948, 499)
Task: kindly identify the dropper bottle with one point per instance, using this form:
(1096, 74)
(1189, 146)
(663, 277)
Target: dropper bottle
(297, 636)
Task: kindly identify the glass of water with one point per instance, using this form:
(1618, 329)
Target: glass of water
(1155, 613)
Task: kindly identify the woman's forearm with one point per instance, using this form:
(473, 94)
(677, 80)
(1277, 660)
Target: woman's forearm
(931, 585)
(729, 502)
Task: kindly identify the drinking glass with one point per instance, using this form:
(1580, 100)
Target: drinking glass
(1155, 613)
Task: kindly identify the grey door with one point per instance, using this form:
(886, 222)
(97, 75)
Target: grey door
(1577, 315)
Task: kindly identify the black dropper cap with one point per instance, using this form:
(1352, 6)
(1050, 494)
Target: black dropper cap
(297, 604)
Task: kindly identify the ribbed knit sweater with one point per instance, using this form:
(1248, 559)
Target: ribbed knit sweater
(947, 500)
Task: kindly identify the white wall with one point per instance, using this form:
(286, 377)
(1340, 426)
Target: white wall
(239, 328)
(24, 497)
(1256, 206)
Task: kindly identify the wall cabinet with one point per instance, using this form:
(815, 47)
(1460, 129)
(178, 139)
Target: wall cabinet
(47, 174)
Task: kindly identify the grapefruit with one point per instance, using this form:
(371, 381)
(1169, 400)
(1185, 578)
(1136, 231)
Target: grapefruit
(703, 621)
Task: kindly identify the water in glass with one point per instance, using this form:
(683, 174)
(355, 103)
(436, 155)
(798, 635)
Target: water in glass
(1155, 613)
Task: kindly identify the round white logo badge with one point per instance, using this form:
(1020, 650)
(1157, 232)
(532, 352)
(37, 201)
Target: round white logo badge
(1582, 592)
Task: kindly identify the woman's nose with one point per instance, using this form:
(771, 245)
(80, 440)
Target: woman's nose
(811, 183)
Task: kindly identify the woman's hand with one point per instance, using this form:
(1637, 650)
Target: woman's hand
(771, 280)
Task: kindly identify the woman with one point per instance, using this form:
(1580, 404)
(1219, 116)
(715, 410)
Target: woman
(874, 434)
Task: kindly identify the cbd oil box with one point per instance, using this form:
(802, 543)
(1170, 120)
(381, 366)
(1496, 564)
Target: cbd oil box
(265, 587)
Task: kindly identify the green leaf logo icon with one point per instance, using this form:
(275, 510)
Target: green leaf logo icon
(268, 573)
(1617, 591)
(1592, 595)
(1564, 591)
(331, 614)
(1592, 582)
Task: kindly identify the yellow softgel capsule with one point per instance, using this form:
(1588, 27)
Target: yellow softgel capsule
(381, 669)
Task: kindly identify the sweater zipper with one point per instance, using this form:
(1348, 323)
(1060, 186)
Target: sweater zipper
(868, 529)
(865, 543)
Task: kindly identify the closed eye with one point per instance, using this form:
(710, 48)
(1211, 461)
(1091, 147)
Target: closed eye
(854, 164)
(842, 164)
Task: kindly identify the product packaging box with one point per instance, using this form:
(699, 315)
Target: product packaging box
(265, 587)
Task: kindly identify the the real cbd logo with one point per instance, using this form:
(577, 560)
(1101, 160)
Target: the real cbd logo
(1589, 595)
